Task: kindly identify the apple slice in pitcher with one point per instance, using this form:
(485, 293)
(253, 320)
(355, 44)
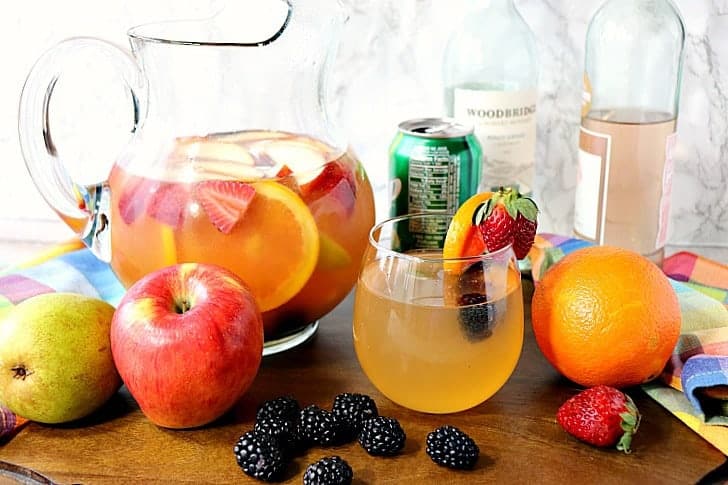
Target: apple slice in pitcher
(248, 136)
(222, 152)
(303, 159)
(335, 178)
(307, 161)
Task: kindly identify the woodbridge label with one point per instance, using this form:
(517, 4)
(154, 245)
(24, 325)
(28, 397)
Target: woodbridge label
(501, 113)
(505, 124)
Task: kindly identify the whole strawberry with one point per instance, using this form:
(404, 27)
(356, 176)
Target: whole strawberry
(524, 234)
(497, 226)
(601, 416)
(507, 218)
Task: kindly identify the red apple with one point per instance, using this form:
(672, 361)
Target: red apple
(187, 341)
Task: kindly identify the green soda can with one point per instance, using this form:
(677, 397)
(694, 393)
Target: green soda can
(434, 166)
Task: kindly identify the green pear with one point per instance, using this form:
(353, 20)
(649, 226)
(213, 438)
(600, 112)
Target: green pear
(55, 357)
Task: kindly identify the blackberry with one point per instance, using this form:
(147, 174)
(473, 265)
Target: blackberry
(318, 426)
(477, 316)
(450, 447)
(284, 407)
(382, 436)
(259, 456)
(472, 280)
(354, 409)
(283, 432)
(332, 470)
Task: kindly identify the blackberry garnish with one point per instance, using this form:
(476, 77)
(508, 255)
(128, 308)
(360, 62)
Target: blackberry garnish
(282, 432)
(332, 470)
(382, 436)
(354, 409)
(318, 426)
(450, 447)
(472, 280)
(259, 456)
(284, 407)
(477, 316)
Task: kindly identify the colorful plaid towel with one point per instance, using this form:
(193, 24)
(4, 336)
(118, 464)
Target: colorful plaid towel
(697, 374)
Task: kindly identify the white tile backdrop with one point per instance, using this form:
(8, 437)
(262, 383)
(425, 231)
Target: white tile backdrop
(388, 69)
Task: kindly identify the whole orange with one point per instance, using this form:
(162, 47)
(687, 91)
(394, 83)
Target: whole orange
(605, 315)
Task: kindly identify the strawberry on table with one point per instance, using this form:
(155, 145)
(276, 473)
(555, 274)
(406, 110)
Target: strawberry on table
(601, 416)
(507, 218)
(224, 201)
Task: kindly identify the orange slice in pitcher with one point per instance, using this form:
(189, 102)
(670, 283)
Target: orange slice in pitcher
(463, 239)
(280, 242)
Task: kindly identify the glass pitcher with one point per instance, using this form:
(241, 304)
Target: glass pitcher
(232, 159)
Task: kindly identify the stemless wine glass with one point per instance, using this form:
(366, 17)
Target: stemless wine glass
(433, 334)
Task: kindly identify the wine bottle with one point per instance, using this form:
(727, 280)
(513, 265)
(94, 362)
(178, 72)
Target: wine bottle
(633, 65)
(490, 73)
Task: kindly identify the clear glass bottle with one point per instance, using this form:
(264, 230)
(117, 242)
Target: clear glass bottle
(490, 73)
(634, 56)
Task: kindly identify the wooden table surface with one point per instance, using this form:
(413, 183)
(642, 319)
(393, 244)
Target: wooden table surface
(519, 438)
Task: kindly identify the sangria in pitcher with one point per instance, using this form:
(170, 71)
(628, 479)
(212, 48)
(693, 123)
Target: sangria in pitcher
(232, 161)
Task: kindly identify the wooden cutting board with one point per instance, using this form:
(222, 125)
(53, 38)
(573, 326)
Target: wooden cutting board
(516, 430)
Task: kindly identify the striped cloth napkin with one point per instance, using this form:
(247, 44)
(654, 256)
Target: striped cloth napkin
(694, 384)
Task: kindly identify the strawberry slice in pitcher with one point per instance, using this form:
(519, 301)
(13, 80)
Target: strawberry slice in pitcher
(224, 201)
(285, 176)
(168, 202)
(336, 182)
(134, 197)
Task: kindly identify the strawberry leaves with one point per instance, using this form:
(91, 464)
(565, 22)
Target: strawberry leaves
(526, 207)
(630, 423)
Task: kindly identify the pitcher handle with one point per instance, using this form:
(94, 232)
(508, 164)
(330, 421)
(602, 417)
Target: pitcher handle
(84, 209)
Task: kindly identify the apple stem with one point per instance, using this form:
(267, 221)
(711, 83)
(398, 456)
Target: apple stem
(182, 306)
(20, 372)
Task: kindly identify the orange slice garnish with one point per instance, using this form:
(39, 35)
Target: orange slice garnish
(463, 239)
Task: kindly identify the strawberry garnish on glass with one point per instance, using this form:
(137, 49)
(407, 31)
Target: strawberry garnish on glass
(507, 218)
